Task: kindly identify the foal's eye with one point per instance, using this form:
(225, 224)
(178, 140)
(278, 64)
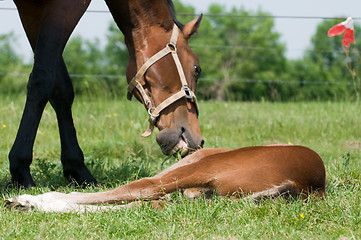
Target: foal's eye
(197, 71)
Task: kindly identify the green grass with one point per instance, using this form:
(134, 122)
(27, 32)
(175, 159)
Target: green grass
(109, 133)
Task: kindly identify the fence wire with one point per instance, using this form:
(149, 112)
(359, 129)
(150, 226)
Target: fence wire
(223, 15)
(282, 82)
(106, 76)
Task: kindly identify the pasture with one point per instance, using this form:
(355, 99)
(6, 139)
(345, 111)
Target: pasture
(109, 134)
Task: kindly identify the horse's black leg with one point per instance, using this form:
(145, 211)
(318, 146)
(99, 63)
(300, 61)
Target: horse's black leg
(40, 85)
(48, 25)
(71, 155)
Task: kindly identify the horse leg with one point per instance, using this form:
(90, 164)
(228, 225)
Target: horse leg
(72, 156)
(48, 25)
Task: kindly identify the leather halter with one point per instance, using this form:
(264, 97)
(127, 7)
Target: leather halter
(170, 48)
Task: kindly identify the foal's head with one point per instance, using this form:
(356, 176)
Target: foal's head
(163, 74)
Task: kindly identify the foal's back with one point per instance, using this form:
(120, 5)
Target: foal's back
(254, 169)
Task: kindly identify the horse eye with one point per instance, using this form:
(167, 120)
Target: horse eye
(197, 71)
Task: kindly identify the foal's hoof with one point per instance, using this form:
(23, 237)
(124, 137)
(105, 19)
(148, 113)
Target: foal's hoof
(18, 203)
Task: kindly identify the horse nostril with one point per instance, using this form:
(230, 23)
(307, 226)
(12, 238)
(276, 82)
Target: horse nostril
(183, 129)
(202, 143)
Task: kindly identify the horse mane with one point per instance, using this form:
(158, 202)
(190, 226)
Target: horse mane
(173, 13)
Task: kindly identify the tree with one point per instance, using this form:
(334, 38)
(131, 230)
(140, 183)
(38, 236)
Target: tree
(12, 70)
(95, 69)
(235, 51)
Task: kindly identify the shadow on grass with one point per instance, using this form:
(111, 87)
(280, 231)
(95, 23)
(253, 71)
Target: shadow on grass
(49, 174)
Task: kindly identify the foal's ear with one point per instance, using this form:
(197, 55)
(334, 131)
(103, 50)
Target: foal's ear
(190, 28)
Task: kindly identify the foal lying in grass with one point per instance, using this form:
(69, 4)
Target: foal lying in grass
(260, 172)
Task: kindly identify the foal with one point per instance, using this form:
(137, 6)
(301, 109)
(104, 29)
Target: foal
(260, 172)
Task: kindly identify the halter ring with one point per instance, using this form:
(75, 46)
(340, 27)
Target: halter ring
(172, 47)
(150, 112)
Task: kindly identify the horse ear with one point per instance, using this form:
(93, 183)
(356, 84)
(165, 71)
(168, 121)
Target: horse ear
(190, 28)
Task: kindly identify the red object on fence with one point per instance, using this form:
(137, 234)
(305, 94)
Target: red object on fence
(347, 26)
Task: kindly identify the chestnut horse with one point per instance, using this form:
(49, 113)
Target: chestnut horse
(261, 172)
(152, 35)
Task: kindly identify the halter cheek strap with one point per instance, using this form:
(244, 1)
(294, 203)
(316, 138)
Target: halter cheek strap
(171, 48)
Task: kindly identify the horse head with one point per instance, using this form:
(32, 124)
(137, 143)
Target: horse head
(163, 74)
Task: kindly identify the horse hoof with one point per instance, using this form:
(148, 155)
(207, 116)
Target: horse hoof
(80, 177)
(82, 183)
(17, 185)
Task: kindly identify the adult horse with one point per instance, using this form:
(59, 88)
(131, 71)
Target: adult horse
(152, 35)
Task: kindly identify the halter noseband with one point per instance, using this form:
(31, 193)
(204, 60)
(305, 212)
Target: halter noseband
(185, 91)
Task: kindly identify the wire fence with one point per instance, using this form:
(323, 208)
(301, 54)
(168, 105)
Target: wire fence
(223, 15)
(255, 48)
(106, 76)
(213, 80)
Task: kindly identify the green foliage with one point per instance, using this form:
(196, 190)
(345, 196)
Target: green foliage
(12, 69)
(247, 49)
(96, 70)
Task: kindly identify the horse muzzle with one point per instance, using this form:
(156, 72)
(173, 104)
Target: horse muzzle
(178, 141)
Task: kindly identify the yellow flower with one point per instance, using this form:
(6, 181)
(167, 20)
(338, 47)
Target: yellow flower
(109, 115)
(115, 114)
(289, 143)
(4, 126)
(302, 215)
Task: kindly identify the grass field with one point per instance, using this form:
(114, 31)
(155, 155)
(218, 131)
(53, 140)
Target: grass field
(109, 133)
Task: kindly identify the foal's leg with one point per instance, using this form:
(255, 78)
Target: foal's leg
(187, 173)
(72, 156)
(48, 25)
